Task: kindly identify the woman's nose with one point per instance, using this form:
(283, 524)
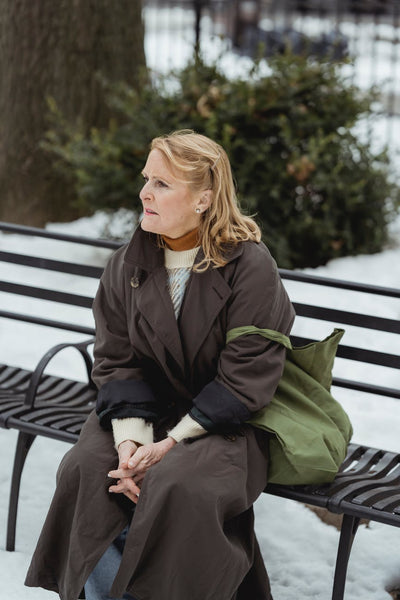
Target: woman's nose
(145, 191)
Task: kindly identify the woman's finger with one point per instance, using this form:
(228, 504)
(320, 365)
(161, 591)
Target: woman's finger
(125, 451)
(123, 486)
(121, 473)
(133, 497)
(117, 488)
(143, 458)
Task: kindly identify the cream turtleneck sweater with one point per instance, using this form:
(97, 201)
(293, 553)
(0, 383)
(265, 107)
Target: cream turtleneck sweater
(179, 265)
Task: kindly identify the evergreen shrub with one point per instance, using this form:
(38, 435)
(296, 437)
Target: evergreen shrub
(317, 191)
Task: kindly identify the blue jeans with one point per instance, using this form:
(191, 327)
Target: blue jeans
(100, 580)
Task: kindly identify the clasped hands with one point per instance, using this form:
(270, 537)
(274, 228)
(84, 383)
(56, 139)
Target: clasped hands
(134, 462)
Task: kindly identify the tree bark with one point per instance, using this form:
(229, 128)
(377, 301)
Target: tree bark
(56, 48)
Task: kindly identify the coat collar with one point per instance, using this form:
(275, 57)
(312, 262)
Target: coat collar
(144, 252)
(206, 295)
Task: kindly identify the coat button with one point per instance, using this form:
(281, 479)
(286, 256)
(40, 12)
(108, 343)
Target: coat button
(134, 282)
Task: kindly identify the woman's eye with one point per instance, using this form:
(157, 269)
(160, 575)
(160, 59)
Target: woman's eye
(160, 183)
(145, 179)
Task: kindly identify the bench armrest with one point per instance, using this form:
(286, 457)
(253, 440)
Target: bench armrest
(81, 347)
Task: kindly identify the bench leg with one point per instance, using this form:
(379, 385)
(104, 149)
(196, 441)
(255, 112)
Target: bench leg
(347, 534)
(25, 441)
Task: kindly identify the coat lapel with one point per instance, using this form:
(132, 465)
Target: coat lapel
(152, 296)
(206, 295)
(154, 303)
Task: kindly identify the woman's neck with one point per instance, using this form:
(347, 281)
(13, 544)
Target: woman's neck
(185, 242)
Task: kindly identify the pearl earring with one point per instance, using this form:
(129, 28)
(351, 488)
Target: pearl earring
(198, 210)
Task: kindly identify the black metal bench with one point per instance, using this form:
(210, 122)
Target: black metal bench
(368, 485)
(32, 401)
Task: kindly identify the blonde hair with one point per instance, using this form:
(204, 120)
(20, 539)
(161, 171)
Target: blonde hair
(204, 165)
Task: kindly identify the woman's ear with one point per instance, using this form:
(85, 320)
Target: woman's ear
(204, 200)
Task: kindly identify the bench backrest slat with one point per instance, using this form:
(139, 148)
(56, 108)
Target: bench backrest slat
(347, 317)
(47, 322)
(45, 294)
(369, 388)
(38, 283)
(51, 265)
(53, 235)
(369, 356)
(338, 283)
(383, 359)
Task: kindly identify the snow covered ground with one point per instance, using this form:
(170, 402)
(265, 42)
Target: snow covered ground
(298, 548)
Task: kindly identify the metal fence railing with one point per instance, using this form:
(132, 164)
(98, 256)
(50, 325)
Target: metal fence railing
(368, 31)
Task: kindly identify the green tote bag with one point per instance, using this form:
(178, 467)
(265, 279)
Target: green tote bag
(310, 429)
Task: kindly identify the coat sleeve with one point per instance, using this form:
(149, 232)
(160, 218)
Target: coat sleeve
(249, 367)
(123, 392)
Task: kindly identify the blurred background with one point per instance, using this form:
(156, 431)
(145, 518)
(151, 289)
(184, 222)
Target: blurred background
(366, 31)
(303, 94)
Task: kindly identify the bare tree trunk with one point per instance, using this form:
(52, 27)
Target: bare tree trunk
(55, 48)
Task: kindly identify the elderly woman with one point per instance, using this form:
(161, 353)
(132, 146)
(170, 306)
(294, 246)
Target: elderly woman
(169, 459)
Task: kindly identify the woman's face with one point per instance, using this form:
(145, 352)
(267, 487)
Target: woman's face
(169, 206)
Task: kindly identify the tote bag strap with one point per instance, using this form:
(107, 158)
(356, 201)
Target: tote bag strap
(270, 334)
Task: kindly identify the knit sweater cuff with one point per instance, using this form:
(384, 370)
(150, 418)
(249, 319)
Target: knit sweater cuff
(132, 428)
(186, 428)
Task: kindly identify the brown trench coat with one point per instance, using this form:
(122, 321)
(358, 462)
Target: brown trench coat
(192, 532)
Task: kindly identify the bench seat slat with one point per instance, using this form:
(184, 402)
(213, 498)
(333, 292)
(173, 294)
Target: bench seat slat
(367, 459)
(76, 429)
(391, 503)
(59, 421)
(10, 409)
(354, 453)
(368, 486)
(68, 423)
(17, 413)
(74, 390)
(57, 392)
(18, 383)
(80, 398)
(362, 487)
(380, 498)
(46, 384)
(7, 373)
(34, 415)
(376, 464)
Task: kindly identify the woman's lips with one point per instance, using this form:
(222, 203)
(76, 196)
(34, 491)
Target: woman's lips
(148, 211)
